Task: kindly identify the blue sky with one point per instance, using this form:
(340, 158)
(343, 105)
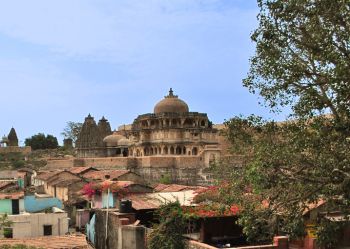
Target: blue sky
(60, 60)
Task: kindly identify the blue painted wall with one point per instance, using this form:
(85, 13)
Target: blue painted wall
(107, 200)
(90, 229)
(33, 204)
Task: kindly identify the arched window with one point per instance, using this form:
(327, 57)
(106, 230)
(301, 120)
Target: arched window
(178, 150)
(203, 123)
(151, 151)
(184, 150)
(165, 150)
(172, 150)
(194, 151)
(138, 152)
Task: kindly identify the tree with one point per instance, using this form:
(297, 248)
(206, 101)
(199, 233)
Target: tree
(168, 233)
(39, 141)
(302, 61)
(72, 130)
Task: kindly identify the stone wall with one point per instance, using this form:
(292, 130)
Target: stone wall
(185, 170)
(14, 149)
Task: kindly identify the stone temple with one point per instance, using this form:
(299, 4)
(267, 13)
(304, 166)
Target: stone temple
(172, 140)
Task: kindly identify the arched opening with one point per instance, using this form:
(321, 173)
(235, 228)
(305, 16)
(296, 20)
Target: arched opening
(118, 151)
(165, 150)
(194, 151)
(212, 158)
(178, 150)
(156, 151)
(138, 152)
(172, 150)
(184, 150)
(151, 151)
(125, 152)
(202, 123)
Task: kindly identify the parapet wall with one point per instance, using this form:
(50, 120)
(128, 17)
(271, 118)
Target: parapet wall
(14, 149)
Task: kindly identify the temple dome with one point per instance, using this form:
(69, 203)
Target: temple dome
(171, 103)
(112, 140)
(124, 142)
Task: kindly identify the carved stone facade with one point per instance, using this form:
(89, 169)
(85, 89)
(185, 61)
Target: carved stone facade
(171, 137)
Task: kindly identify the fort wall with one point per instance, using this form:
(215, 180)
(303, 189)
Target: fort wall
(186, 170)
(15, 149)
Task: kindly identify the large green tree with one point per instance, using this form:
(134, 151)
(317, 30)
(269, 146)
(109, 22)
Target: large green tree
(302, 61)
(40, 141)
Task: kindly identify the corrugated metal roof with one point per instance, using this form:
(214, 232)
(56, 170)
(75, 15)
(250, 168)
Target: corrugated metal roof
(155, 200)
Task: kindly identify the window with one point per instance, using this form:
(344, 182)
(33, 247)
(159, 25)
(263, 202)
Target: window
(47, 230)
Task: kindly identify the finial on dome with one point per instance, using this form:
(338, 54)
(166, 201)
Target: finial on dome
(171, 94)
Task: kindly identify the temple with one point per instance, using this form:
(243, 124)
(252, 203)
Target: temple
(172, 137)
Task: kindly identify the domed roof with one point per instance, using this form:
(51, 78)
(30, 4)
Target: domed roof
(171, 103)
(124, 142)
(112, 140)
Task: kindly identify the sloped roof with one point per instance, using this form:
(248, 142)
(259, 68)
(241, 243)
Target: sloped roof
(47, 174)
(80, 170)
(155, 200)
(51, 242)
(4, 185)
(100, 175)
(175, 188)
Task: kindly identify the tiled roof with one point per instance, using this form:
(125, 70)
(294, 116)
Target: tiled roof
(46, 175)
(4, 185)
(80, 170)
(159, 187)
(65, 183)
(100, 175)
(15, 195)
(51, 242)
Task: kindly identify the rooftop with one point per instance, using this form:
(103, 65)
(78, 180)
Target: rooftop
(51, 242)
(100, 175)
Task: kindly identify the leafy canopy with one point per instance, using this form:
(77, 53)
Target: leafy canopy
(302, 61)
(72, 130)
(40, 142)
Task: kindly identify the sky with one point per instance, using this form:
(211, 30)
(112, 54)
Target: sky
(61, 60)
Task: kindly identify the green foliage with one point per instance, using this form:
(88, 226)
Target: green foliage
(168, 233)
(302, 56)
(288, 166)
(39, 141)
(328, 233)
(18, 164)
(72, 130)
(4, 221)
(302, 62)
(165, 179)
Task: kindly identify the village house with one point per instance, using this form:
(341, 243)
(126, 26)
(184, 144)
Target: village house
(12, 203)
(28, 225)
